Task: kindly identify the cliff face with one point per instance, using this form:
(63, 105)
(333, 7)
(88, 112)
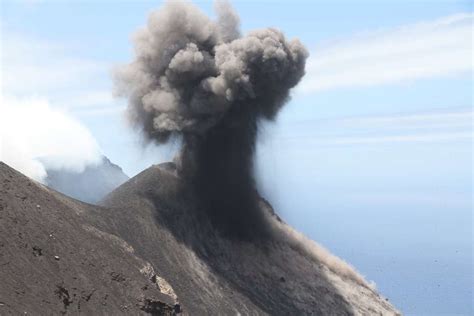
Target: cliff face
(53, 261)
(148, 248)
(90, 185)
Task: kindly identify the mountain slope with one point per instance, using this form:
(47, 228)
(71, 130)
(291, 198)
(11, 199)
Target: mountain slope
(287, 275)
(52, 261)
(90, 185)
(149, 248)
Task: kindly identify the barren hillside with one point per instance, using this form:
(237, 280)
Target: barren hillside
(149, 250)
(52, 261)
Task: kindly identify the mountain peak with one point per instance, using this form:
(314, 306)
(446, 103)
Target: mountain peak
(157, 213)
(148, 249)
(89, 185)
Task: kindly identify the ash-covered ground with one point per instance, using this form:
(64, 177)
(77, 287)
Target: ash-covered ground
(54, 261)
(149, 250)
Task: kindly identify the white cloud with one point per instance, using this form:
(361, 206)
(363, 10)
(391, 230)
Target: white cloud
(100, 111)
(424, 50)
(91, 99)
(32, 66)
(37, 67)
(431, 137)
(453, 200)
(43, 86)
(35, 136)
(440, 126)
(434, 121)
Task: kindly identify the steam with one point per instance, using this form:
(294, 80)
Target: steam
(202, 80)
(36, 137)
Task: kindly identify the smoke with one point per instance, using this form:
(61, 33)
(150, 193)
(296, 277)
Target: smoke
(315, 251)
(200, 79)
(36, 137)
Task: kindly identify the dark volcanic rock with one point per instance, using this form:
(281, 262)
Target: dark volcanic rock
(90, 185)
(52, 261)
(150, 251)
(155, 212)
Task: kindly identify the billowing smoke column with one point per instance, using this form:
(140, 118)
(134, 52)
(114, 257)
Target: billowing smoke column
(202, 80)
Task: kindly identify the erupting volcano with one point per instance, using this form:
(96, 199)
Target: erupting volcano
(203, 81)
(192, 236)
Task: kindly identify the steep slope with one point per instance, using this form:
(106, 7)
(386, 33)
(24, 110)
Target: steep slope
(150, 247)
(90, 185)
(52, 261)
(287, 275)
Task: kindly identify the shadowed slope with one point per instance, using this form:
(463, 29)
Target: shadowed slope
(90, 185)
(287, 274)
(52, 261)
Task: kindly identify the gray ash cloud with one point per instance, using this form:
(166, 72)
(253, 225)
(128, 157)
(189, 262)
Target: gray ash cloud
(202, 80)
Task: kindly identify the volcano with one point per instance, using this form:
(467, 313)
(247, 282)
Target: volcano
(148, 249)
(91, 184)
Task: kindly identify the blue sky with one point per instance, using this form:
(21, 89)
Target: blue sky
(372, 157)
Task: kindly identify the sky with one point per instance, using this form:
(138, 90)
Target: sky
(372, 157)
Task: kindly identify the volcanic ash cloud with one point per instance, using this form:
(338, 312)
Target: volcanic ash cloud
(201, 79)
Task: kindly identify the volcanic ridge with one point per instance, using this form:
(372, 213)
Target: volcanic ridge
(148, 250)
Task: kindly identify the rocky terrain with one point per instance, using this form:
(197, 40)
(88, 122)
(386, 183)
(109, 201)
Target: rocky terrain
(89, 185)
(53, 261)
(148, 250)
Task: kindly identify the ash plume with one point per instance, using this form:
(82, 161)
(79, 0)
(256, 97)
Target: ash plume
(202, 80)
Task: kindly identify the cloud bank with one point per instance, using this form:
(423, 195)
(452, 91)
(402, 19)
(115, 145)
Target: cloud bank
(36, 136)
(40, 80)
(423, 50)
(418, 127)
(35, 66)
